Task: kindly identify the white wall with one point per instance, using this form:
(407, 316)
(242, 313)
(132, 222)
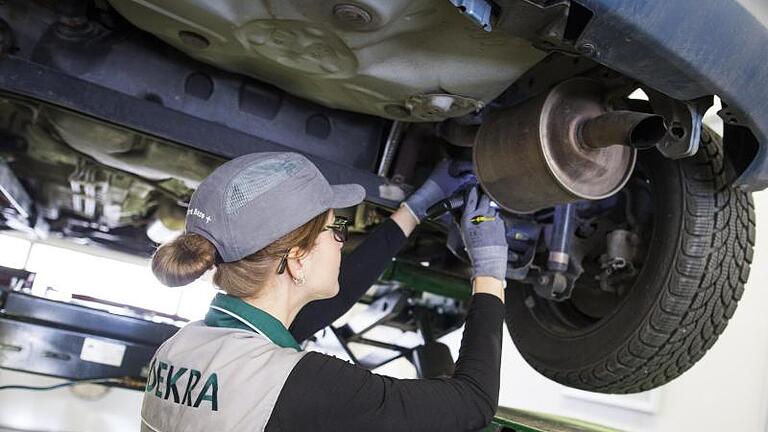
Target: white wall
(61, 410)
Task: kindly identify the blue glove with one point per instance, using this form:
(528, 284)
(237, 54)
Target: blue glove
(447, 177)
(484, 234)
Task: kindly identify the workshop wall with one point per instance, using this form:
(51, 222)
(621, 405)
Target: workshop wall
(116, 410)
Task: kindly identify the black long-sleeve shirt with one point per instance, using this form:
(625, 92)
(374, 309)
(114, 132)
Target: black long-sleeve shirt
(359, 270)
(323, 393)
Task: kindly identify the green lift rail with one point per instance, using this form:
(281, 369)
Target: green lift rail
(420, 278)
(510, 419)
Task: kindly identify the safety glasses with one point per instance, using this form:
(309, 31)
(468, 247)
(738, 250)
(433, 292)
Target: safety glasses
(339, 228)
(340, 234)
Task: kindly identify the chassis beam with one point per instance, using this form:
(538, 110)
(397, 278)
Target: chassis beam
(25, 78)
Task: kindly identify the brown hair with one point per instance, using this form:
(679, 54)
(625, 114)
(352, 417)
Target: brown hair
(186, 258)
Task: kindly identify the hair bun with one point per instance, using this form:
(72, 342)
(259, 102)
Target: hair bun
(183, 260)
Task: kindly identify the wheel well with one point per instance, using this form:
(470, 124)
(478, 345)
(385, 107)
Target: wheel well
(740, 147)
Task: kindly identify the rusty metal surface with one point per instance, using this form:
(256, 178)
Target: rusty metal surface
(530, 157)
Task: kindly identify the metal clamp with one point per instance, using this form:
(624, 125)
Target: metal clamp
(683, 122)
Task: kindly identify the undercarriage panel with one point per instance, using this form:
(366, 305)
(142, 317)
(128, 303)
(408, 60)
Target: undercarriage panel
(404, 60)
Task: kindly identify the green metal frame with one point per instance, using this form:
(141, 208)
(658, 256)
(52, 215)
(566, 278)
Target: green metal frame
(424, 279)
(530, 421)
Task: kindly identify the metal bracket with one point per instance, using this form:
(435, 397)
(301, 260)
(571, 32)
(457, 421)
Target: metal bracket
(554, 285)
(478, 11)
(683, 122)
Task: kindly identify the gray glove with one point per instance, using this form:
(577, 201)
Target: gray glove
(484, 236)
(447, 177)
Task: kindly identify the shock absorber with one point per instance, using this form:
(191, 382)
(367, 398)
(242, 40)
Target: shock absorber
(560, 243)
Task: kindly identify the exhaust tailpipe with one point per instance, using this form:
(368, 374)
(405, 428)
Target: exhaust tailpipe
(633, 129)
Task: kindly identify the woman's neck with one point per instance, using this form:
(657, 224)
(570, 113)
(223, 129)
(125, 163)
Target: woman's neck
(279, 302)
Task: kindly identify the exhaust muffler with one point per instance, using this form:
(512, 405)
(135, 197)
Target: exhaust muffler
(560, 147)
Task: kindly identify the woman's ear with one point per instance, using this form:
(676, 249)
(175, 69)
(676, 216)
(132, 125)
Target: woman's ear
(295, 265)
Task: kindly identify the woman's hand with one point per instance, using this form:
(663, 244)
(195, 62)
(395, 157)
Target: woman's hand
(484, 235)
(447, 177)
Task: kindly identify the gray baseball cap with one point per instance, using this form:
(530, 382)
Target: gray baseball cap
(253, 200)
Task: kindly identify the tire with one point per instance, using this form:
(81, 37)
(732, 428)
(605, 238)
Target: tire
(698, 258)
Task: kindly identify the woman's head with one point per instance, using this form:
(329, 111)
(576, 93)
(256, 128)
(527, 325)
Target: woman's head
(247, 214)
(312, 262)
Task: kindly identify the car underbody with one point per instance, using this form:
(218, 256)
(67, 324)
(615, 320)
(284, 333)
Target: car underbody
(112, 112)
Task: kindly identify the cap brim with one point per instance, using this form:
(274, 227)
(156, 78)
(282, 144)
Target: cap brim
(347, 195)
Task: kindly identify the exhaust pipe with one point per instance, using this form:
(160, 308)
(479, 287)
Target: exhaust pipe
(560, 147)
(633, 129)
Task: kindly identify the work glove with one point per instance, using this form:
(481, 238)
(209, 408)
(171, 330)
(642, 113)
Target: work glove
(484, 235)
(447, 177)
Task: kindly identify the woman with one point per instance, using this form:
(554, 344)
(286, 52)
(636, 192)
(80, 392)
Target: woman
(266, 223)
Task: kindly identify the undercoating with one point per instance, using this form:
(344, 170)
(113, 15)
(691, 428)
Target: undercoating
(403, 60)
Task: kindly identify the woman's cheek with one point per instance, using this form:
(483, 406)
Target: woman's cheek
(336, 266)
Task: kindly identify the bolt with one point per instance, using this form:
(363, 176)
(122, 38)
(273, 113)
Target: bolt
(352, 15)
(587, 49)
(520, 236)
(677, 130)
(530, 302)
(543, 280)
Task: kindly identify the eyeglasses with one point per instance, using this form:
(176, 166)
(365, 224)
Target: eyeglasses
(340, 234)
(339, 228)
